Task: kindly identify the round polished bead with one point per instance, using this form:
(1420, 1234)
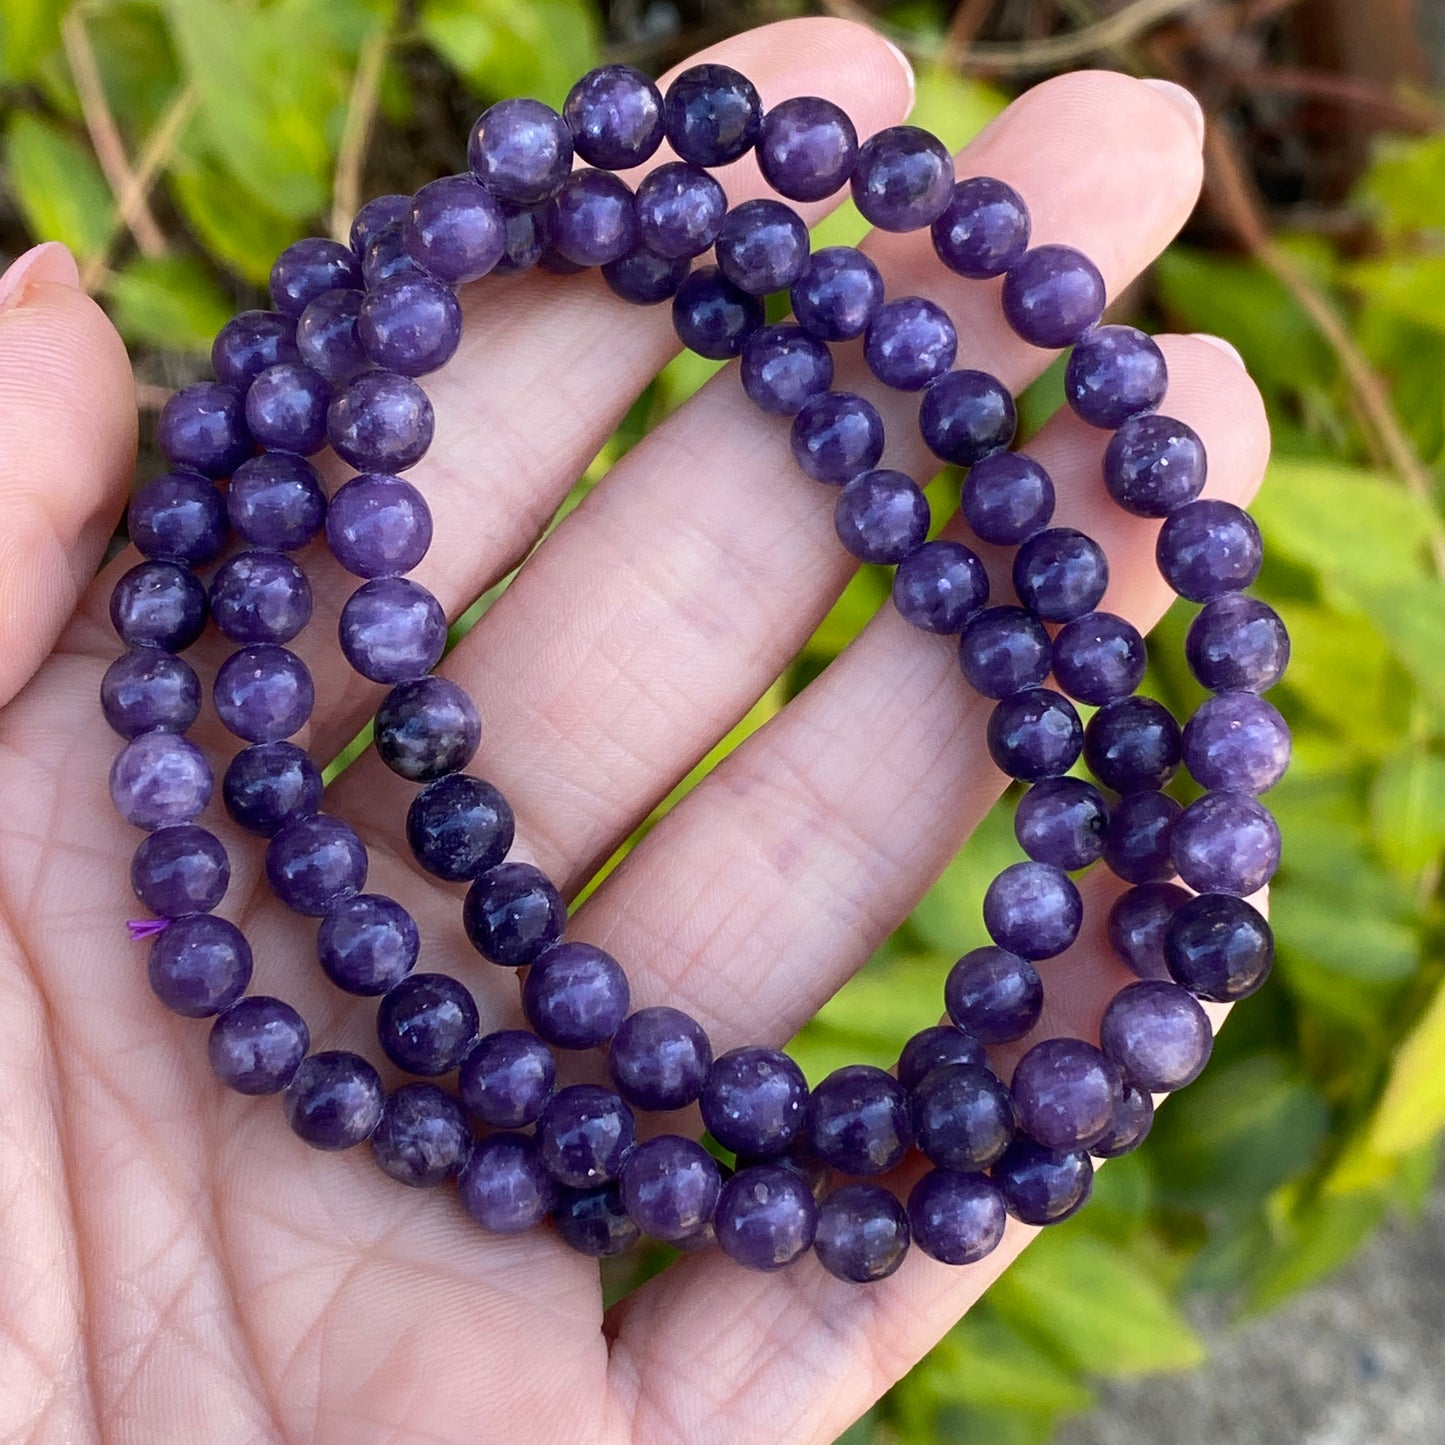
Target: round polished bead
(1225, 843)
(178, 517)
(378, 526)
(680, 210)
(458, 827)
(180, 870)
(1041, 1185)
(160, 780)
(327, 337)
(753, 1102)
(275, 501)
(909, 343)
(862, 1233)
(983, 230)
(1114, 373)
(392, 630)
(507, 1078)
(1237, 741)
(592, 219)
(712, 114)
(615, 115)
(1065, 1092)
(939, 586)
(934, 1047)
(256, 1045)
(1060, 574)
(881, 516)
(203, 427)
(644, 278)
(147, 690)
(963, 1117)
(367, 943)
(1137, 849)
(422, 1138)
(427, 1023)
(1033, 909)
(1035, 734)
(1052, 295)
(838, 294)
(1130, 1126)
(334, 1101)
(903, 179)
(260, 597)
(766, 1217)
(520, 150)
(379, 211)
(712, 316)
(1099, 657)
(1062, 821)
(455, 230)
(250, 342)
(783, 367)
(308, 268)
(1158, 1035)
(660, 1058)
(1132, 744)
(966, 416)
(594, 1221)
(807, 148)
(268, 785)
(386, 254)
(1154, 465)
(286, 408)
(670, 1187)
(1004, 650)
(858, 1120)
(158, 604)
(380, 422)
(956, 1218)
(1007, 497)
(762, 246)
(427, 728)
(993, 995)
(1237, 643)
(1207, 548)
(263, 693)
(527, 238)
(199, 965)
(575, 996)
(513, 914)
(1218, 947)
(1137, 923)
(315, 861)
(837, 435)
(505, 1186)
(410, 324)
(585, 1135)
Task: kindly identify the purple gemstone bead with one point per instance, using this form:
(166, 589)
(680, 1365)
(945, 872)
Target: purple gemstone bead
(939, 586)
(250, 342)
(313, 862)
(1052, 296)
(643, 278)
(455, 230)
(1043, 1186)
(178, 517)
(994, 996)
(836, 436)
(160, 780)
(426, 729)
(147, 690)
(327, 335)
(1131, 1124)
(1132, 745)
(458, 827)
(783, 367)
(585, 1135)
(520, 150)
(158, 604)
(680, 210)
(367, 943)
(256, 1045)
(1154, 465)
(932, 1048)
(753, 1101)
(1137, 849)
(1099, 657)
(660, 1059)
(858, 1120)
(1035, 734)
(286, 408)
(378, 526)
(1225, 843)
(712, 115)
(807, 148)
(507, 1078)
(1060, 574)
(260, 597)
(410, 324)
(615, 115)
(422, 1138)
(966, 416)
(386, 254)
(1004, 650)
(268, 785)
(203, 427)
(1218, 947)
(1237, 741)
(862, 1233)
(1007, 497)
(427, 1023)
(670, 1187)
(392, 630)
(379, 211)
(575, 996)
(766, 1217)
(275, 501)
(527, 239)
(712, 317)
(594, 1221)
(956, 1218)
(838, 294)
(881, 516)
(180, 870)
(334, 1101)
(1207, 548)
(903, 179)
(504, 1185)
(1237, 642)
(1033, 909)
(307, 269)
(263, 693)
(199, 966)
(983, 230)
(1062, 821)
(380, 422)
(1066, 1092)
(1158, 1035)
(762, 246)
(909, 343)
(592, 219)
(1114, 373)
(513, 914)
(963, 1117)
(1137, 922)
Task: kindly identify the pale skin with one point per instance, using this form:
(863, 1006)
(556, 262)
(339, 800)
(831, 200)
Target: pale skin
(174, 1264)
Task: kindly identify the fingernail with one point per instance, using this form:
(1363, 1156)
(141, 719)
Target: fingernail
(1185, 101)
(907, 67)
(1227, 347)
(49, 261)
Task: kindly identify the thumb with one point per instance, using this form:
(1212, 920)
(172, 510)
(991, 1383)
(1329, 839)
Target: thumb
(67, 448)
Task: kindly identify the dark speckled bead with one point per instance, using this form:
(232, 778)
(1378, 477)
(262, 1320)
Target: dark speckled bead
(939, 586)
(858, 1120)
(147, 690)
(1066, 1091)
(427, 1023)
(762, 246)
(993, 995)
(956, 1218)
(1004, 650)
(380, 422)
(903, 179)
(615, 115)
(178, 517)
(269, 784)
(862, 1233)
(963, 1116)
(1137, 849)
(504, 1185)
(983, 230)
(836, 435)
(455, 230)
(966, 416)
(766, 1217)
(520, 150)
(1237, 741)
(1218, 947)
(1033, 909)
(712, 316)
(1114, 373)
(200, 965)
(180, 870)
(334, 1101)
(575, 996)
(1132, 744)
(712, 115)
(275, 501)
(286, 408)
(247, 344)
(367, 943)
(680, 210)
(427, 728)
(1237, 642)
(1099, 657)
(838, 294)
(507, 1078)
(160, 780)
(158, 604)
(458, 827)
(513, 914)
(1207, 548)
(314, 861)
(1041, 1185)
(592, 219)
(1052, 295)
(1060, 574)
(256, 1045)
(422, 1138)
(807, 148)
(1007, 497)
(934, 1047)
(909, 343)
(1035, 734)
(660, 1058)
(1137, 922)
(1062, 821)
(594, 1221)
(584, 1135)
(1154, 465)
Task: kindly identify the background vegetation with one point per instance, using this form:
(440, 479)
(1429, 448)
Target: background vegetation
(177, 145)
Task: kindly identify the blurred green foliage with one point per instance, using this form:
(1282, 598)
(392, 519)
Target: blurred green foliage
(1322, 1109)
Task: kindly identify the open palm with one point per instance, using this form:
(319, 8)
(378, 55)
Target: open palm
(174, 1264)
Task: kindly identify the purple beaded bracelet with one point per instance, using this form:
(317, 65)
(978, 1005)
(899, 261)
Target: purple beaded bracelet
(334, 364)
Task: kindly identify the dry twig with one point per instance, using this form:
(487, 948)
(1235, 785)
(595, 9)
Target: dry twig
(360, 116)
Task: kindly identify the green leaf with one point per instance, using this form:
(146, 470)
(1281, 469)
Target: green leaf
(1413, 288)
(1407, 811)
(954, 107)
(1411, 618)
(986, 1363)
(236, 228)
(59, 186)
(1313, 1244)
(1405, 186)
(171, 302)
(29, 32)
(1411, 1110)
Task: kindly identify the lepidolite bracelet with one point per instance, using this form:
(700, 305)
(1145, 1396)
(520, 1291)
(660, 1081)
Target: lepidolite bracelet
(334, 364)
